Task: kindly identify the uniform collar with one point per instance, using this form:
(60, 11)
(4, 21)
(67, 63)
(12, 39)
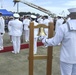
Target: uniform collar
(72, 24)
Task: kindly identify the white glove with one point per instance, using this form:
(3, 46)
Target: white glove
(42, 37)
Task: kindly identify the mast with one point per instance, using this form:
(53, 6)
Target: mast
(33, 6)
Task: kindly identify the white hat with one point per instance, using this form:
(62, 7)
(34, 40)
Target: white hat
(72, 10)
(16, 15)
(33, 16)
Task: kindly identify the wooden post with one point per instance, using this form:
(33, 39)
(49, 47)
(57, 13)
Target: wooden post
(49, 50)
(31, 47)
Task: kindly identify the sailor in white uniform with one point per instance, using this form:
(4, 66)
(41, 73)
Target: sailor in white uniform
(59, 22)
(33, 19)
(16, 32)
(39, 19)
(2, 30)
(26, 23)
(46, 21)
(67, 35)
(9, 26)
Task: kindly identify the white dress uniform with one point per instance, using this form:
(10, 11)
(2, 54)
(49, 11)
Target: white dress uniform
(58, 23)
(9, 26)
(35, 37)
(66, 34)
(26, 23)
(46, 22)
(16, 32)
(35, 34)
(2, 30)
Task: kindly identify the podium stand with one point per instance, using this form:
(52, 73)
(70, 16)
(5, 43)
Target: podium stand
(33, 57)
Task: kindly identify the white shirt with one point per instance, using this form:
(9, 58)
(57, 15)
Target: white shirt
(35, 30)
(2, 25)
(26, 23)
(9, 26)
(58, 23)
(67, 35)
(16, 28)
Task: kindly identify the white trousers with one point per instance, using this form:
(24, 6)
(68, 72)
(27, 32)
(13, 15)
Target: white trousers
(27, 35)
(67, 69)
(35, 45)
(16, 43)
(1, 40)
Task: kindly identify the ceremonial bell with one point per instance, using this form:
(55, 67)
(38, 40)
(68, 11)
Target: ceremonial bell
(41, 32)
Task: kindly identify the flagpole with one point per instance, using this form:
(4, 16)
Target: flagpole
(18, 7)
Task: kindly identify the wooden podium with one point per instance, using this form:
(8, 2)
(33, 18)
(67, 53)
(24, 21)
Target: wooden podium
(48, 57)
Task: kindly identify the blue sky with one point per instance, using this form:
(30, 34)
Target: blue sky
(55, 6)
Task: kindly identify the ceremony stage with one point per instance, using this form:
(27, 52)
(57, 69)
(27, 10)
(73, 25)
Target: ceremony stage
(23, 46)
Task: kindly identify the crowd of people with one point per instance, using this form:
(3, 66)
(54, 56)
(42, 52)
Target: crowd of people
(16, 26)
